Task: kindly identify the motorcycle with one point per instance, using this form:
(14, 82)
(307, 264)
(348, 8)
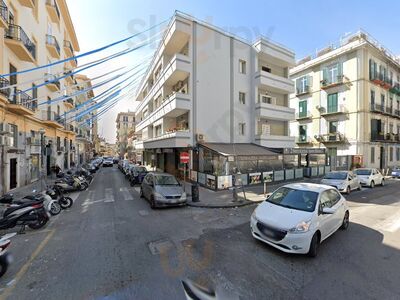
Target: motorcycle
(71, 184)
(51, 206)
(31, 213)
(5, 257)
(56, 194)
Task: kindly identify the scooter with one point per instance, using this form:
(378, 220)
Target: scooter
(5, 257)
(52, 206)
(56, 194)
(71, 184)
(31, 213)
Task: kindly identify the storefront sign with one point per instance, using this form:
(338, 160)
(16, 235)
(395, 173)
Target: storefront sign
(224, 182)
(255, 178)
(268, 176)
(168, 150)
(240, 179)
(303, 151)
(211, 181)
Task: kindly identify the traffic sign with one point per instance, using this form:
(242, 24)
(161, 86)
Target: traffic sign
(184, 157)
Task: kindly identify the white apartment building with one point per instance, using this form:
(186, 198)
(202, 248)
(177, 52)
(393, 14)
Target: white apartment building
(125, 124)
(207, 88)
(347, 101)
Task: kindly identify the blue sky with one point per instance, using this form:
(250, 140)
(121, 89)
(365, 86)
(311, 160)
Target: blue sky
(303, 26)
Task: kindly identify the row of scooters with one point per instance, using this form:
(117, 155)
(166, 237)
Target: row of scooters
(35, 210)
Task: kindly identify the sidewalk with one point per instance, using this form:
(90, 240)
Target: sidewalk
(27, 189)
(224, 199)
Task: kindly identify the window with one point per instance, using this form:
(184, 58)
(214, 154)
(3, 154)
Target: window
(391, 128)
(334, 196)
(382, 101)
(391, 153)
(266, 69)
(332, 103)
(242, 128)
(242, 66)
(14, 136)
(125, 118)
(242, 98)
(332, 74)
(58, 144)
(303, 84)
(372, 99)
(372, 70)
(34, 96)
(397, 153)
(303, 109)
(372, 155)
(302, 133)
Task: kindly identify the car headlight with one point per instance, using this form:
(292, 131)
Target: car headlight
(302, 227)
(253, 217)
(158, 196)
(183, 196)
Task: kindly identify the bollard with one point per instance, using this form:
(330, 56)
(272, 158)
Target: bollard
(234, 194)
(195, 193)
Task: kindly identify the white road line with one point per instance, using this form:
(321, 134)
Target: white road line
(87, 202)
(391, 224)
(109, 195)
(126, 194)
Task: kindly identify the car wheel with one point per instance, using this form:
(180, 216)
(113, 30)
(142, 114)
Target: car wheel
(348, 190)
(152, 203)
(372, 184)
(359, 187)
(314, 245)
(346, 220)
(383, 182)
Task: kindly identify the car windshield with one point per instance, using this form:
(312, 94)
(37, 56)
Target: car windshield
(165, 180)
(294, 199)
(141, 169)
(363, 172)
(336, 175)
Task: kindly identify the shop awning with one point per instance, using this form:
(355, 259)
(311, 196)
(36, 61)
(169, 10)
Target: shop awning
(241, 149)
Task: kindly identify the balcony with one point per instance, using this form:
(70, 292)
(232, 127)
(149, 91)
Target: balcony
(17, 40)
(333, 111)
(179, 138)
(69, 103)
(71, 63)
(274, 83)
(274, 52)
(21, 103)
(395, 89)
(3, 15)
(331, 138)
(303, 91)
(340, 80)
(172, 106)
(69, 79)
(52, 46)
(27, 3)
(303, 140)
(382, 80)
(304, 116)
(274, 112)
(69, 51)
(53, 10)
(52, 83)
(51, 119)
(4, 90)
(275, 141)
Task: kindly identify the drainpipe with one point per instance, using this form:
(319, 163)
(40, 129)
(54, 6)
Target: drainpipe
(2, 169)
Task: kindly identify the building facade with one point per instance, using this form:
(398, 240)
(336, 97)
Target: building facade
(347, 101)
(125, 123)
(34, 136)
(207, 86)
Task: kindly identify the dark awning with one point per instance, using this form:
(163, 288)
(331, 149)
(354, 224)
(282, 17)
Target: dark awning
(241, 149)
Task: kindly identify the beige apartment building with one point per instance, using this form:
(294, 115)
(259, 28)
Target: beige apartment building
(33, 136)
(347, 101)
(125, 129)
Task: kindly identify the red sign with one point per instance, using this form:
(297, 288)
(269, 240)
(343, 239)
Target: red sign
(184, 157)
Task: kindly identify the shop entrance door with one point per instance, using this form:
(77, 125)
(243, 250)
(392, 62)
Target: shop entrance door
(13, 173)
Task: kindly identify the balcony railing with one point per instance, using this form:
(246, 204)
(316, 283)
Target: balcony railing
(303, 115)
(16, 32)
(3, 11)
(51, 79)
(70, 101)
(377, 107)
(331, 138)
(303, 90)
(67, 44)
(53, 3)
(303, 139)
(3, 90)
(21, 98)
(389, 110)
(338, 80)
(52, 41)
(332, 110)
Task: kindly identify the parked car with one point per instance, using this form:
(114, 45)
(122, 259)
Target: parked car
(137, 174)
(396, 172)
(370, 177)
(128, 170)
(115, 160)
(108, 162)
(297, 217)
(90, 167)
(126, 167)
(161, 190)
(121, 164)
(344, 181)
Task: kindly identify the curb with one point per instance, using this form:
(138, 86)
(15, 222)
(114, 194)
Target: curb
(240, 203)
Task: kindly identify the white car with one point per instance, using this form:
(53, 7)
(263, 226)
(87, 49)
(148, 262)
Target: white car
(297, 217)
(370, 177)
(344, 181)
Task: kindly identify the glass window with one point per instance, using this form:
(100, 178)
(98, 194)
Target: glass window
(294, 199)
(303, 109)
(303, 133)
(391, 153)
(242, 98)
(325, 200)
(332, 103)
(372, 155)
(14, 135)
(165, 180)
(397, 153)
(242, 66)
(242, 128)
(334, 197)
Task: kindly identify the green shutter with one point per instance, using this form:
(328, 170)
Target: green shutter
(332, 103)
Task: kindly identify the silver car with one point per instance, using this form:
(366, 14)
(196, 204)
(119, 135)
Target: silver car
(344, 181)
(162, 190)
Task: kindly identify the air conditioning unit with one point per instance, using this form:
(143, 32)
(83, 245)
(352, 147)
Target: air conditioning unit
(200, 138)
(4, 141)
(5, 128)
(267, 99)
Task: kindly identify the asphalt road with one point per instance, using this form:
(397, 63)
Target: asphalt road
(111, 245)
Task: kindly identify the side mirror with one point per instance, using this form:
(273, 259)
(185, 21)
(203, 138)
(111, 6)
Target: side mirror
(268, 195)
(328, 211)
(349, 179)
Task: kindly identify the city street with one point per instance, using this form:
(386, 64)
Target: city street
(111, 244)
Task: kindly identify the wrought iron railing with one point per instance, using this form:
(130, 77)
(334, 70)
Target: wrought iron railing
(52, 41)
(16, 32)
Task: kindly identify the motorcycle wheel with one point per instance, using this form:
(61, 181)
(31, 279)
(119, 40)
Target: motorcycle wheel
(39, 224)
(66, 202)
(55, 208)
(84, 186)
(3, 265)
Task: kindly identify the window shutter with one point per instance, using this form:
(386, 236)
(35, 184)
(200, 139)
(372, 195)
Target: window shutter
(370, 69)
(340, 69)
(309, 81)
(298, 85)
(325, 74)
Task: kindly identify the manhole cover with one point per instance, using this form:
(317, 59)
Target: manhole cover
(159, 246)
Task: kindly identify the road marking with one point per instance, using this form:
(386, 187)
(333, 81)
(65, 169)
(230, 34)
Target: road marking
(109, 195)
(391, 224)
(8, 290)
(126, 194)
(87, 202)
